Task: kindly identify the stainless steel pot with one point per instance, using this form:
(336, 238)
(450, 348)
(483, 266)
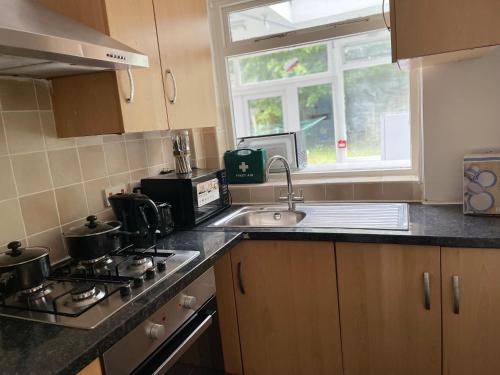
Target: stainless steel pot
(23, 268)
(94, 239)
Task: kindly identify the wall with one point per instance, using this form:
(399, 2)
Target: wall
(461, 114)
(49, 185)
(387, 189)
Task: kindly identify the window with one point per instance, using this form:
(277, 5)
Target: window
(338, 88)
(285, 16)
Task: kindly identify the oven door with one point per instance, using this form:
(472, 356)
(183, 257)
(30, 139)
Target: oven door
(195, 348)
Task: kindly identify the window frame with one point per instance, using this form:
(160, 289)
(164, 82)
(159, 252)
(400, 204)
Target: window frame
(223, 47)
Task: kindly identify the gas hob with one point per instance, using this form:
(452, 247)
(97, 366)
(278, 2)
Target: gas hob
(83, 294)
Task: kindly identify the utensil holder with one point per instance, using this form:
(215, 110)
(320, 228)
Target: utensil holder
(182, 162)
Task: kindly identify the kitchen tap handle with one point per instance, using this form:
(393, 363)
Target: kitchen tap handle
(300, 197)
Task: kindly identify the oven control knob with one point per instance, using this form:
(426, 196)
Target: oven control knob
(188, 302)
(125, 290)
(138, 282)
(150, 273)
(156, 331)
(162, 266)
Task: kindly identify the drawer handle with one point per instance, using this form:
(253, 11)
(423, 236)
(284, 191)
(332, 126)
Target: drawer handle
(427, 291)
(456, 294)
(172, 99)
(240, 279)
(130, 98)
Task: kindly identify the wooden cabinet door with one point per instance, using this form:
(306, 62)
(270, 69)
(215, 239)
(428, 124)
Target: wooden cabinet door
(93, 368)
(93, 104)
(471, 334)
(428, 27)
(286, 302)
(386, 328)
(186, 59)
(132, 22)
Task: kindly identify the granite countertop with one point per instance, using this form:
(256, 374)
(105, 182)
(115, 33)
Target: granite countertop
(439, 225)
(30, 347)
(37, 348)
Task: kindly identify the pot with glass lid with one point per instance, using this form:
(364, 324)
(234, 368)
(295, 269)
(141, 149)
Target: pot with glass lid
(93, 240)
(23, 269)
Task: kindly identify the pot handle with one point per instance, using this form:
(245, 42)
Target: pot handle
(156, 217)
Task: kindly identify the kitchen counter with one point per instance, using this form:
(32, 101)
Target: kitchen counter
(37, 348)
(30, 347)
(443, 225)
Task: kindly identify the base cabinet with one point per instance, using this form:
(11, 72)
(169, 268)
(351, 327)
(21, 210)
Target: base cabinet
(93, 368)
(291, 307)
(390, 313)
(471, 311)
(286, 303)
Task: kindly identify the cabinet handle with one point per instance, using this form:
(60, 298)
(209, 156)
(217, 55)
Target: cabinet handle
(427, 291)
(240, 278)
(383, 16)
(456, 294)
(169, 73)
(130, 98)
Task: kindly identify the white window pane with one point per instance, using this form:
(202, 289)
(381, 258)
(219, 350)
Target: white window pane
(285, 63)
(293, 15)
(266, 115)
(371, 47)
(316, 121)
(372, 96)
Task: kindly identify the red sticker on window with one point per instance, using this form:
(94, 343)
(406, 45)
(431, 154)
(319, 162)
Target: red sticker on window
(342, 143)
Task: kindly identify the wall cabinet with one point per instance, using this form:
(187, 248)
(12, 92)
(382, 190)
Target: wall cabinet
(471, 311)
(430, 27)
(286, 304)
(390, 309)
(186, 59)
(93, 104)
(174, 34)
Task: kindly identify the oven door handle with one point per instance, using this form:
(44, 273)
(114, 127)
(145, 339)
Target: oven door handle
(184, 346)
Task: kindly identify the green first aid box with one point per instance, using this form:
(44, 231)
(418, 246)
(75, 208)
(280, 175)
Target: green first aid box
(245, 166)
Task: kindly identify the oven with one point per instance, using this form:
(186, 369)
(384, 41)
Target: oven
(181, 337)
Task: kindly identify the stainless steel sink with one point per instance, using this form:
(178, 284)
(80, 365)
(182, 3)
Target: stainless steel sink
(263, 217)
(384, 216)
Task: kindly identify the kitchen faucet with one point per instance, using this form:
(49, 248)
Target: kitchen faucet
(290, 198)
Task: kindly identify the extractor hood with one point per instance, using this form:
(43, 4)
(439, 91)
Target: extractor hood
(39, 43)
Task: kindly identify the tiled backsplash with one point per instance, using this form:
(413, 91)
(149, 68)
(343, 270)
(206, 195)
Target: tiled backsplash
(378, 191)
(50, 184)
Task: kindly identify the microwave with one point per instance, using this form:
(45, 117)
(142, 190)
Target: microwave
(291, 146)
(194, 197)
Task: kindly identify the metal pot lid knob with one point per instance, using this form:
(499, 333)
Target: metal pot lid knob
(15, 248)
(92, 221)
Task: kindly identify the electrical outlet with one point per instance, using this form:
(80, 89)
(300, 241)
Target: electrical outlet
(117, 189)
